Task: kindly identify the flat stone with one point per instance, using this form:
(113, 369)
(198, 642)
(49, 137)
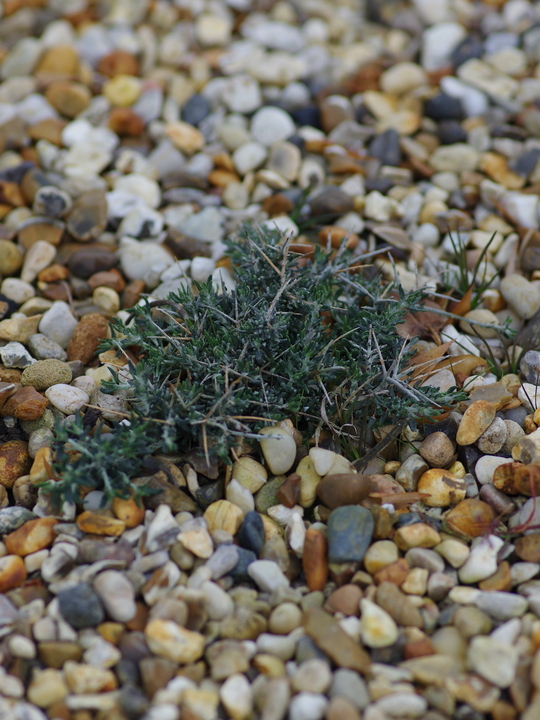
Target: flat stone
(476, 419)
(329, 637)
(494, 661)
(377, 628)
(350, 529)
(117, 595)
(396, 603)
(167, 639)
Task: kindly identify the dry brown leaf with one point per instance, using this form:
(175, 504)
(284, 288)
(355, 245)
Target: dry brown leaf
(425, 361)
(464, 305)
(423, 324)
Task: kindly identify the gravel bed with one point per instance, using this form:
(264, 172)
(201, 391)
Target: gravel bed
(135, 136)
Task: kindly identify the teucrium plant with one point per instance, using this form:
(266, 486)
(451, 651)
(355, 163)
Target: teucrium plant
(307, 339)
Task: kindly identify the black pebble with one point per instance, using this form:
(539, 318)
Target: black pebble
(81, 607)
(196, 109)
(385, 147)
(450, 132)
(443, 107)
(251, 532)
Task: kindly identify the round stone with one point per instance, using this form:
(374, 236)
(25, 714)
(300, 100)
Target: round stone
(44, 373)
(66, 398)
(437, 450)
(11, 258)
(80, 606)
(271, 124)
(442, 487)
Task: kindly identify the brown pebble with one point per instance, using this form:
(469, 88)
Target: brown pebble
(118, 62)
(500, 502)
(476, 420)
(95, 524)
(59, 710)
(398, 605)
(58, 62)
(344, 489)
(49, 129)
(395, 573)
(9, 375)
(515, 478)
(503, 710)
(34, 535)
(327, 634)
(132, 294)
(89, 332)
(345, 599)
(12, 572)
(54, 654)
(125, 123)
(156, 673)
(437, 450)
(470, 518)
(339, 708)
(500, 580)
(53, 273)
(25, 404)
(14, 461)
(288, 493)
(92, 259)
(107, 278)
(88, 216)
(528, 547)
(418, 648)
(314, 559)
(69, 98)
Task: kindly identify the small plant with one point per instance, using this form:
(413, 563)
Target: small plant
(467, 278)
(308, 339)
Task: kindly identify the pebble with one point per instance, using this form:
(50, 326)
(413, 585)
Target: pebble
(331, 639)
(167, 639)
(117, 595)
(476, 420)
(270, 125)
(349, 533)
(66, 398)
(493, 660)
(58, 324)
(482, 561)
(267, 575)
(442, 488)
(501, 606)
(279, 449)
(80, 606)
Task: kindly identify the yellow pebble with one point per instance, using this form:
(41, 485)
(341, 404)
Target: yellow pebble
(392, 467)
(106, 299)
(122, 90)
(457, 469)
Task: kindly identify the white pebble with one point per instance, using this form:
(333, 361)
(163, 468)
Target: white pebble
(66, 398)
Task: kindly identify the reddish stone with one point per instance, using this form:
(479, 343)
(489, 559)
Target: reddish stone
(25, 404)
(92, 328)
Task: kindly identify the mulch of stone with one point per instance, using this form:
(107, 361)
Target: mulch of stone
(135, 135)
